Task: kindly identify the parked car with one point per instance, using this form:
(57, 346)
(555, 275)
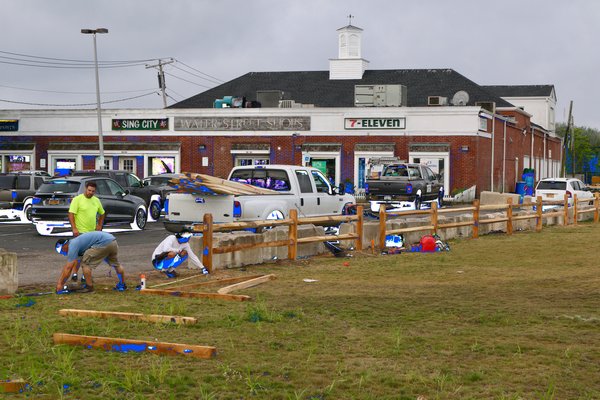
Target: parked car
(51, 204)
(150, 193)
(554, 189)
(16, 193)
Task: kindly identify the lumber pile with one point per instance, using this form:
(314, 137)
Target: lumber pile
(209, 185)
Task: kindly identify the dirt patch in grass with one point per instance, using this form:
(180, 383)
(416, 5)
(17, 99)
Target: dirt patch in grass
(498, 317)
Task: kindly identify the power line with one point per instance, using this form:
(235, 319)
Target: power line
(78, 61)
(76, 105)
(73, 66)
(194, 69)
(61, 92)
(197, 76)
(185, 80)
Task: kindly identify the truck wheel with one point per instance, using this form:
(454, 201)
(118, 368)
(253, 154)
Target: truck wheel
(275, 214)
(155, 210)
(27, 212)
(418, 202)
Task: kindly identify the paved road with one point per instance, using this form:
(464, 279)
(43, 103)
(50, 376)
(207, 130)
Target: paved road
(38, 263)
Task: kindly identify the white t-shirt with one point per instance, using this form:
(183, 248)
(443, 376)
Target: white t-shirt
(171, 244)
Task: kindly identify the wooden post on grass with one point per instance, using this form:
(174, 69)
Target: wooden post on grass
(538, 209)
(566, 211)
(596, 207)
(434, 216)
(207, 242)
(358, 246)
(293, 235)
(574, 209)
(509, 216)
(381, 227)
(476, 219)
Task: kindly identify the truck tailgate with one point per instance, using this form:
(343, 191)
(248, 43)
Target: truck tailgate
(185, 207)
(383, 187)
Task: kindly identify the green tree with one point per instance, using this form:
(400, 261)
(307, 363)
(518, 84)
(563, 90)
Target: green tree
(586, 146)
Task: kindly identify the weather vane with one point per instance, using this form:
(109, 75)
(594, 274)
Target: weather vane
(350, 16)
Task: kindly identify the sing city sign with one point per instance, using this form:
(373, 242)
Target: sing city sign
(9, 125)
(159, 124)
(375, 123)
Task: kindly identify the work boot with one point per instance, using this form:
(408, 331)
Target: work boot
(204, 271)
(64, 290)
(74, 277)
(121, 287)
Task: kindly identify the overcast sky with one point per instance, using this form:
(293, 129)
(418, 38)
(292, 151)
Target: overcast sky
(490, 42)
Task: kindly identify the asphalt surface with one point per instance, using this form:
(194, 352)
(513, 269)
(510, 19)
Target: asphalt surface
(39, 264)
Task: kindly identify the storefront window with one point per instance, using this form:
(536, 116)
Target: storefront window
(64, 166)
(18, 163)
(243, 161)
(161, 165)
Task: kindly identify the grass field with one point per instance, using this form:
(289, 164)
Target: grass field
(495, 318)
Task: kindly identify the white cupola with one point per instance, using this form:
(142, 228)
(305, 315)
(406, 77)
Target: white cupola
(349, 64)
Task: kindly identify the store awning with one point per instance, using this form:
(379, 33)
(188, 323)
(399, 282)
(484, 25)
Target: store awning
(374, 147)
(17, 146)
(324, 147)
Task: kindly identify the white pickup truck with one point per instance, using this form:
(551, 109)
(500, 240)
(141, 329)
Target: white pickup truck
(303, 188)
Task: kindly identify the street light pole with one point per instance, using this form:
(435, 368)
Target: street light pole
(93, 32)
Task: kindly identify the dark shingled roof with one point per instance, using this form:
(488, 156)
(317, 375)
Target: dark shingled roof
(315, 87)
(520, 90)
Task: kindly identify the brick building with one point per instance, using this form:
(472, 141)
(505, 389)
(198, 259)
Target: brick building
(336, 120)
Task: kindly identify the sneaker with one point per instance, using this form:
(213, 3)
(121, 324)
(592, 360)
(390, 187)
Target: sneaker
(121, 287)
(82, 280)
(63, 291)
(171, 274)
(74, 277)
(204, 271)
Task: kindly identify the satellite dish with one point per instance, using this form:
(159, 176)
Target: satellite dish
(460, 98)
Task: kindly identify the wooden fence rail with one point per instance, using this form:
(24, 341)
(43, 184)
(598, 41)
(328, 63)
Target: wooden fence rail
(432, 225)
(208, 228)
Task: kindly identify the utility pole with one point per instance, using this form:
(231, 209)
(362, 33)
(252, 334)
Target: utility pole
(161, 77)
(569, 143)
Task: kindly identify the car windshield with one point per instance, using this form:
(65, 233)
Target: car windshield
(59, 186)
(552, 185)
(7, 182)
(159, 181)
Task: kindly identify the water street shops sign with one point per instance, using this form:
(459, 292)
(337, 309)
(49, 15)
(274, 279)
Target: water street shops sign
(375, 123)
(242, 124)
(9, 125)
(159, 124)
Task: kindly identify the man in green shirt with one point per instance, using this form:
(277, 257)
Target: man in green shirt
(84, 211)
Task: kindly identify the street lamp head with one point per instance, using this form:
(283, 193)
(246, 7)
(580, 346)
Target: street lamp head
(94, 31)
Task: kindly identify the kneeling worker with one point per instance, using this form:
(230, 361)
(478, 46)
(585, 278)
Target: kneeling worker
(173, 251)
(93, 248)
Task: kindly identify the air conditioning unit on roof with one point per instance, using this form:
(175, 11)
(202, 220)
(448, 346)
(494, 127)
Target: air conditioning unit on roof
(287, 104)
(437, 101)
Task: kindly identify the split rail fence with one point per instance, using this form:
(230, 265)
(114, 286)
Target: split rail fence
(208, 228)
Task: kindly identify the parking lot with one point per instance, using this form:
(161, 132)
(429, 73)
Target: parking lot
(39, 264)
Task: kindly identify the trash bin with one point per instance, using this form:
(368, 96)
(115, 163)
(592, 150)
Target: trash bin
(521, 190)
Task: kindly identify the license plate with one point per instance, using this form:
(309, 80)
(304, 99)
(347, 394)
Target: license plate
(550, 195)
(387, 197)
(53, 202)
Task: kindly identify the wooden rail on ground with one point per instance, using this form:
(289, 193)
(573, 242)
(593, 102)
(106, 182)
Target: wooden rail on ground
(509, 218)
(208, 228)
(129, 345)
(175, 319)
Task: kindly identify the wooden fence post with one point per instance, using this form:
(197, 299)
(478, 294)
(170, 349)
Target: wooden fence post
(382, 218)
(207, 242)
(509, 216)
(574, 209)
(434, 216)
(596, 207)
(476, 219)
(359, 228)
(566, 210)
(293, 235)
(538, 209)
